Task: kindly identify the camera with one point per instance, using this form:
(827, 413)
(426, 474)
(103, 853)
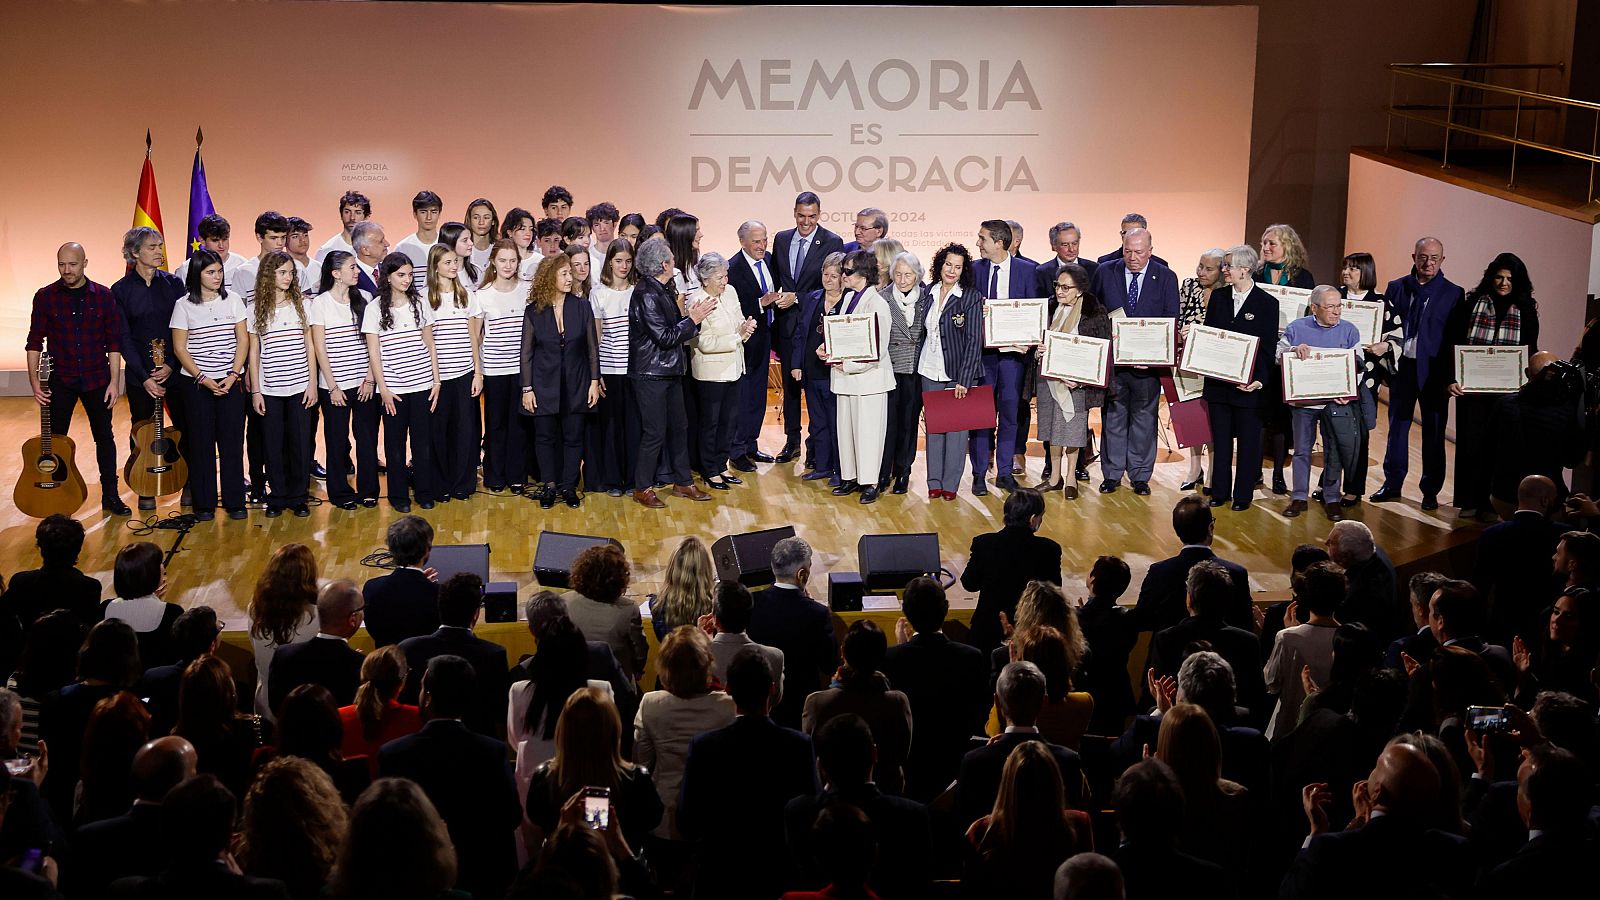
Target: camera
(1487, 719)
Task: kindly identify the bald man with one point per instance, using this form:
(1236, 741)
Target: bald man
(77, 321)
(327, 659)
(1510, 568)
(1392, 851)
(131, 843)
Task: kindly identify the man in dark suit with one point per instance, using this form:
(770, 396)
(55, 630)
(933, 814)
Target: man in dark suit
(1457, 616)
(872, 225)
(1001, 564)
(754, 280)
(797, 255)
(1512, 554)
(786, 618)
(1109, 630)
(944, 681)
(1423, 300)
(405, 602)
(195, 633)
(327, 659)
(131, 844)
(57, 584)
(1394, 851)
(1553, 799)
(1143, 287)
(1208, 590)
(1161, 595)
(1064, 240)
(1129, 222)
(465, 774)
(371, 247)
(1149, 804)
(846, 755)
(1206, 680)
(1419, 644)
(737, 781)
(1000, 276)
(460, 603)
(1019, 697)
(1369, 576)
(197, 819)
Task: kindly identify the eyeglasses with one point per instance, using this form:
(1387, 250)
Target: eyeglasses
(847, 271)
(1421, 257)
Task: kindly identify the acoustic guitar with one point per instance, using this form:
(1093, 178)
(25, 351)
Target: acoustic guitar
(50, 482)
(156, 469)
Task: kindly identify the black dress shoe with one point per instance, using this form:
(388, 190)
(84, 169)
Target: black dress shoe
(401, 506)
(204, 515)
(732, 479)
(274, 511)
(901, 485)
(115, 506)
(1188, 485)
(809, 466)
(717, 484)
(1215, 502)
(870, 495)
(845, 488)
(814, 475)
(760, 457)
(1142, 488)
(787, 455)
(742, 463)
(1049, 469)
(1108, 487)
(496, 489)
(1278, 485)
(1430, 502)
(1385, 495)
(1080, 473)
(570, 498)
(147, 503)
(1006, 483)
(369, 502)
(318, 472)
(615, 492)
(301, 511)
(1240, 505)
(466, 496)
(425, 504)
(547, 497)
(238, 514)
(346, 504)
(979, 487)
(443, 498)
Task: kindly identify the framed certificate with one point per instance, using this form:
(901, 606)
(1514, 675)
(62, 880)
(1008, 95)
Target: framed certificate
(1292, 302)
(1491, 370)
(1015, 323)
(1367, 316)
(1073, 357)
(1144, 342)
(1219, 353)
(851, 338)
(1187, 386)
(1323, 375)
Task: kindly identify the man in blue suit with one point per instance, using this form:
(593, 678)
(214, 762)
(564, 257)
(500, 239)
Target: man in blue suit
(797, 255)
(1142, 287)
(1423, 300)
(783, 616)
(872, 225)
(1000, 276)
(755, 282)
(371, 247)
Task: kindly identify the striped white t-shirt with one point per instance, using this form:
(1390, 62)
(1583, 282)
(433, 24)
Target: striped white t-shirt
(406, 365)
(337, 242)
(285, 368)
(502, 328)
(611, 311)
(452, 336)
(341, 341)
(416, 251)
(480, 258)
(211, 341)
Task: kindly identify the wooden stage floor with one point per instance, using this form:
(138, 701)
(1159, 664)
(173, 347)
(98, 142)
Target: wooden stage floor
(218, 561)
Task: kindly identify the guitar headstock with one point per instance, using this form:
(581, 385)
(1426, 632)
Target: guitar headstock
(44, 366)
(158, 352)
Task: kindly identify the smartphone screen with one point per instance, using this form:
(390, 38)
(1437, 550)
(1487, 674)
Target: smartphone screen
(1486, 718)
(597, 808)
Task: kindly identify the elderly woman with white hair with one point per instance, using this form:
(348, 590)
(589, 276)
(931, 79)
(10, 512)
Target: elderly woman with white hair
(1193, 295)
(861, 388)
(717, 365)
(1242, 307)
(907, 299)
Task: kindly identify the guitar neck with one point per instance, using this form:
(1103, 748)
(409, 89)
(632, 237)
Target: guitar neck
(45, 432)
(159, 416)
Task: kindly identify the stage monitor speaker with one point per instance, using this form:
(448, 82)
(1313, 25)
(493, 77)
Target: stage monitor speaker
(500, 601)
(888, 561)
(747, 558)
(552, 558)
(845, 591)
(453, 559)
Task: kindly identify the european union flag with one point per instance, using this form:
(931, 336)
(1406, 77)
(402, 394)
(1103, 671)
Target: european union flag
(199, 197)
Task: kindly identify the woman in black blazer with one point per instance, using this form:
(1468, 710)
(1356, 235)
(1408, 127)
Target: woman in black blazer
(560, 376)
(950, 357)
(1236, 409)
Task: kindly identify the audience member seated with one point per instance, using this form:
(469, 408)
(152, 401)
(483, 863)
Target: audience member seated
(1577, 563)
(1456, 679)
(309, 727)
(1088, 876)
(785, 617)
(1218, 814)
(1510, 557)
(598, 606)
(1109, 630)
(668, 719)
(108, 663)
(397, 846)
(1016, 849)
(1420, 644)
(327, 659)
(466, 776)
(49, 663)
(377, 717)
(1302, 652)
(28, 824)
(1000, 565)
(209, 718)
(117, 728)
(736, 782)
(1019, 697)
(57, 583)
(1207, 592)
(558, 670)
(846, 758)
(1206, 680)
(1162, 596)
(195, 633)
(861, 689)
(1149, 804)
(283, 611)
(844, 847)
(727, 624)
(197, 820)
(1274, 617)
(130, 844)
(589, 755)
(1369, 578)
(688, 586)
(293, 824)
(1042, 603)
(140, 580)
(1560, 655)
(943, 680)
(585, 863)
(1457, 616)
(1554, 796)
(1355, 653)
(541, 610)
(38, 882)
(460, 604)
(405, 602)
(1384, 845)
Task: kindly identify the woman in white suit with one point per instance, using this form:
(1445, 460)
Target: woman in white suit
(717, 365)
(862, 388)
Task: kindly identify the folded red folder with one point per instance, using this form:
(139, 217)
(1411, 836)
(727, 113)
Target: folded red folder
(946, 414)
(1191, 422)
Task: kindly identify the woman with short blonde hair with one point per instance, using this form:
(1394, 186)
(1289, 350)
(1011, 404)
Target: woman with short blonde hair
(669, 719)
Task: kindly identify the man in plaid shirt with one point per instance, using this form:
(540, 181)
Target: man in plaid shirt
(79, 321)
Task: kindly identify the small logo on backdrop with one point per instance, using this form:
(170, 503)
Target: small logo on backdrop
(367, 171)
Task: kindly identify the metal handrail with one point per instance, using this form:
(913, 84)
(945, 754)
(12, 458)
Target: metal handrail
(1498, 89)
(1559, 67)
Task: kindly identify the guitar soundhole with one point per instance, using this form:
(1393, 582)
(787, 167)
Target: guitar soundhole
(47, 465)
(162, 447)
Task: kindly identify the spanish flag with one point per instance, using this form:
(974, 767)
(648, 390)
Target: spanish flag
(147, 208)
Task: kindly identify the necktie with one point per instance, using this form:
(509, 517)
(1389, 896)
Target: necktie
(798, 257)
(1133, 294)
(994, 281)
(761, 276)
